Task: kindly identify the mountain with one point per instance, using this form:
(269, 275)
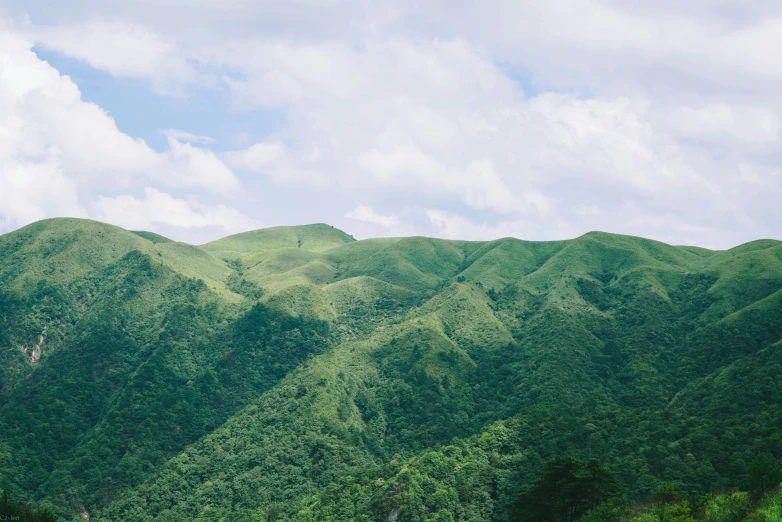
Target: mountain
(294, 373)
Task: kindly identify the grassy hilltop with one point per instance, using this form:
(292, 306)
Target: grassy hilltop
(294, 373)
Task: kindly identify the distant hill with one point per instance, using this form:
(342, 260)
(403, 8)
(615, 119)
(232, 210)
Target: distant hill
(294, 373)
(311, 238)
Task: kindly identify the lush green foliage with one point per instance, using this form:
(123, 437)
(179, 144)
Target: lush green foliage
(11, 509)
(736, 506)
(294, 373)
(565, 491)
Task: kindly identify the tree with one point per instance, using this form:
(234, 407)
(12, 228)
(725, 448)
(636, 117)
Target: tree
(664, 495)
(14, 510)
(679, 512)
(565, 490)
(776, 443)
(764, 473)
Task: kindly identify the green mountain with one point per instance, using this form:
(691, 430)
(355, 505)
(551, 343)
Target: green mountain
(294, 373)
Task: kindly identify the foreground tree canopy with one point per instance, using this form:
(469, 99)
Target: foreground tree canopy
(294, 373)
(566, 490)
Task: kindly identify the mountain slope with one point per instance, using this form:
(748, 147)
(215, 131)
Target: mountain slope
(294, 373)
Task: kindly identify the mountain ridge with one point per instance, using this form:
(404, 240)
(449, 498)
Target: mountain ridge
(294, 373)
(762, 243)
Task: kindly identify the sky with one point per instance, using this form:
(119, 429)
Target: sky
(463, 120)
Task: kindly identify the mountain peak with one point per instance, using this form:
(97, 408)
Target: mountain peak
(316, 237)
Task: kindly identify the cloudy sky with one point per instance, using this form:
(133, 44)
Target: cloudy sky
(473, 120)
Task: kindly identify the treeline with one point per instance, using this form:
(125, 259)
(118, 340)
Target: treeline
(479, 478)
(571, 490)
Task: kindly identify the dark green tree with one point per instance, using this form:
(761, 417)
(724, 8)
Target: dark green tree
(566, 489)
(764, 473)
(11, 509)
(776, 443)
(663, 495)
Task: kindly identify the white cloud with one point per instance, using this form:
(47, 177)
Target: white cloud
(454, 226)
(56, 149)
(184, 165)
(365, 213)
(273, 159)
(401, 165)
(583, 210)
(573, 44)
(611, 140)
(665, 222)
(538, 118)
(438, 121)
(257, 158)
(621, 45)
(431, 125)
(122, 49)
(484, 188)
(724, 123)
(769, 178)
(186, 136)
(451, 226)
(629, 220)
(270, 89)
(670, 229)
(46, 114)
(34, 191)
(160, 211)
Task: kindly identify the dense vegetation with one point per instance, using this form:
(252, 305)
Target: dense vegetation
(294, 373)
(12, 509)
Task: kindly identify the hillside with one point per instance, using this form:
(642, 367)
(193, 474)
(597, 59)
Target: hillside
(294, 373)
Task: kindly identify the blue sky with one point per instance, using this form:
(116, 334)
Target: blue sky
(201, 119)
(141, 112)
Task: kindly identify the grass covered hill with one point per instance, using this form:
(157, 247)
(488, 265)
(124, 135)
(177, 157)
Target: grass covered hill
(294, 373)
